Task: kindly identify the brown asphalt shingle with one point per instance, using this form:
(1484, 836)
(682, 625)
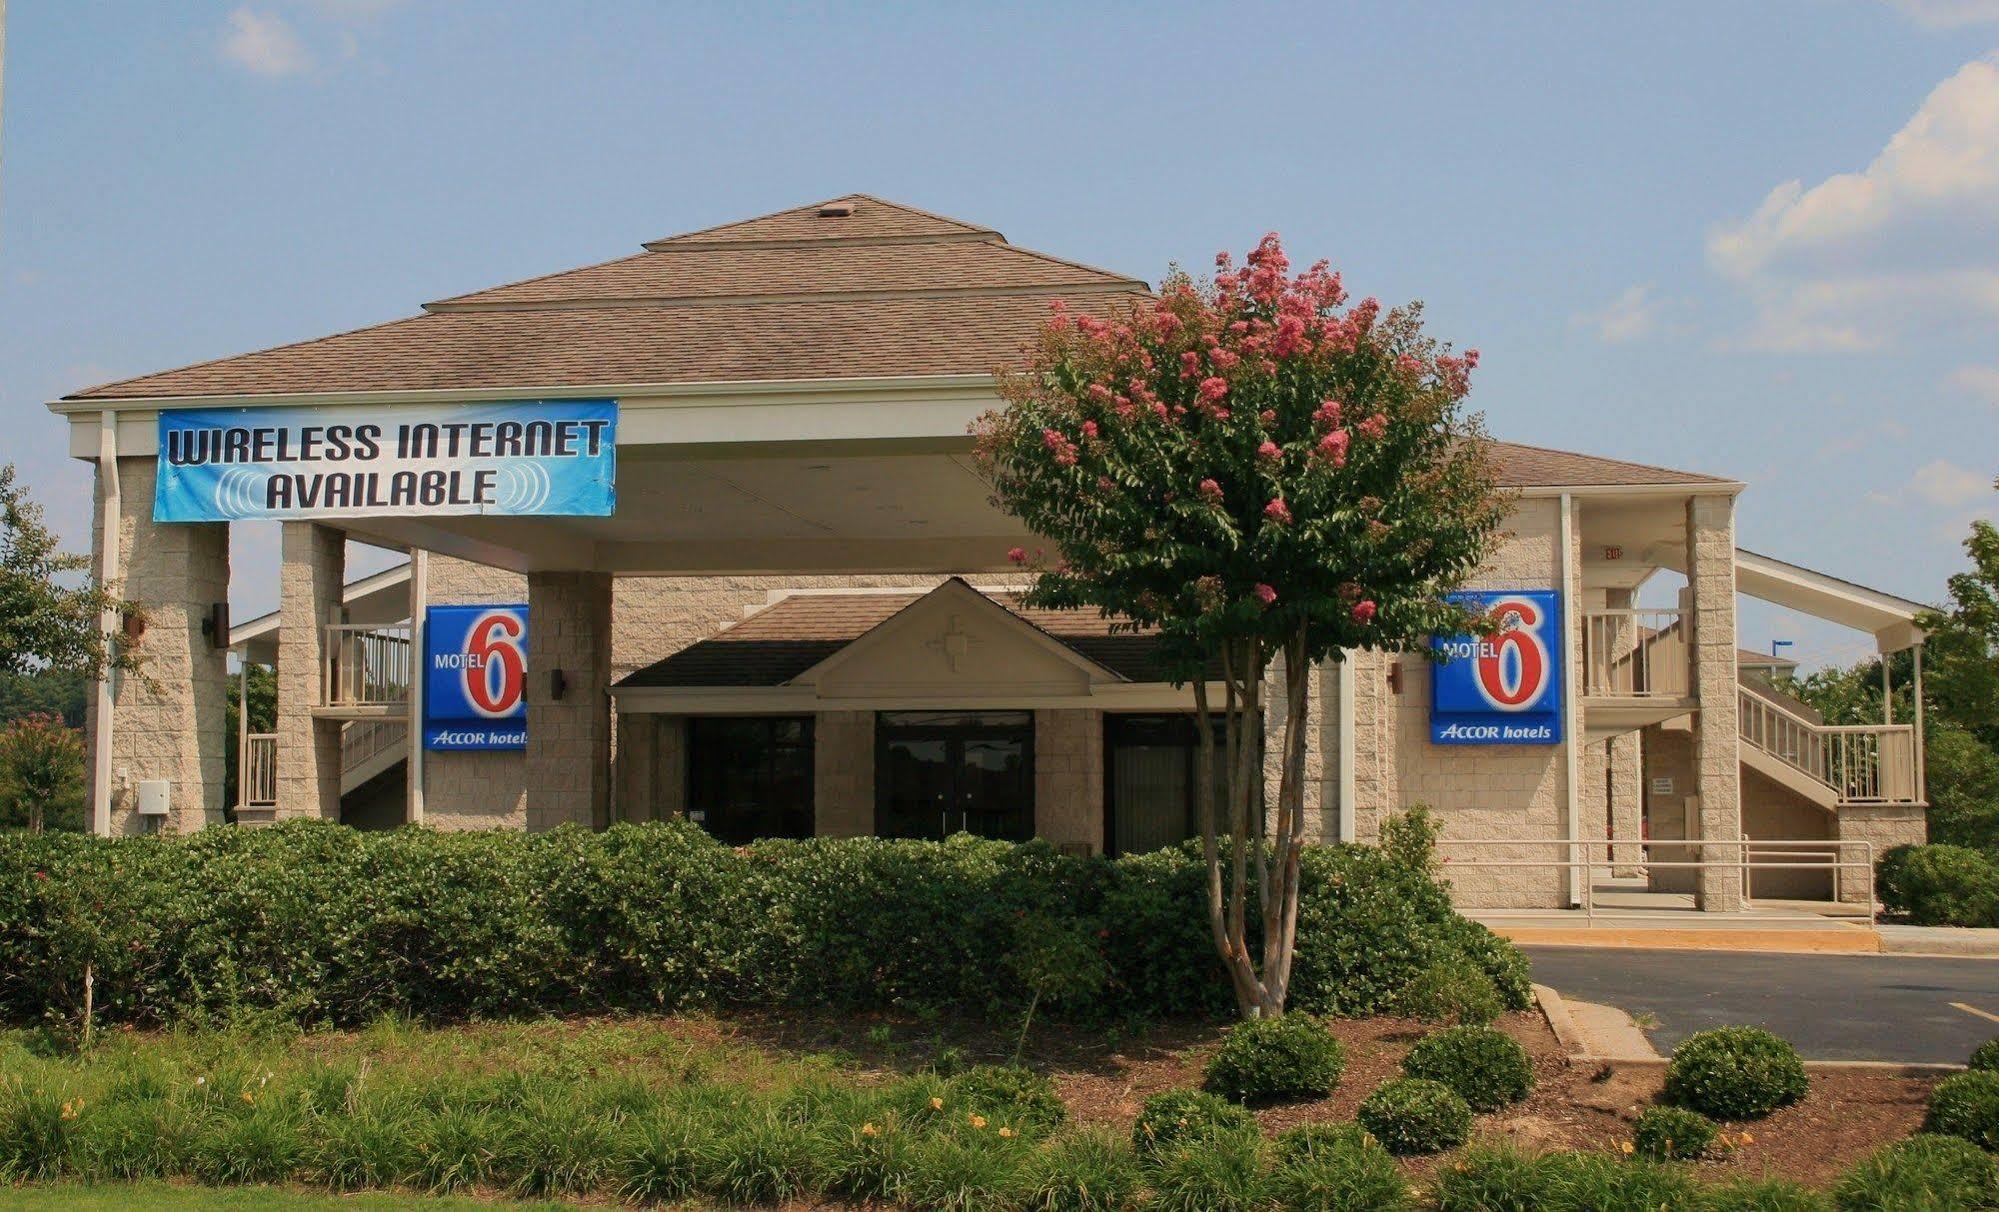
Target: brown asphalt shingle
(784, 640)
(887, 291)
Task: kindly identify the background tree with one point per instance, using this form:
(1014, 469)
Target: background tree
(48, 620)
(41, 775)
(1961, 689)
(1266, 477)
(263, 718)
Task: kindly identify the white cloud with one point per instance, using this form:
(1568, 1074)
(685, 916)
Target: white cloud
(1980, 381)
(265, 44)
(1634, 314)
(1911, 242)
(1947, 484)
(1947, 14)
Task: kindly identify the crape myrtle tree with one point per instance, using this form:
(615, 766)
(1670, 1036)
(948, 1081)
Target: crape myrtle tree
(1266, 477)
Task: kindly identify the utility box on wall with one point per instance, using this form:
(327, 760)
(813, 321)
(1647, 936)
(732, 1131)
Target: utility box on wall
(156, 797)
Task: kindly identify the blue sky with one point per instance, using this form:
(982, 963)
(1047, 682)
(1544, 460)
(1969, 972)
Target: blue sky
(1759, 240)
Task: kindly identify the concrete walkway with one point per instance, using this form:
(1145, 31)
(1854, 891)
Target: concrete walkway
(1785, 931)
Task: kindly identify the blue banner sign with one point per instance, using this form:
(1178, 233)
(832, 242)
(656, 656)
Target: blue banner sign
(1506, 688)
(510, 458)
(475, 677)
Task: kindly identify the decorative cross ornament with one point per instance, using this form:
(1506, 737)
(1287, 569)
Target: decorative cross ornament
(953, 643)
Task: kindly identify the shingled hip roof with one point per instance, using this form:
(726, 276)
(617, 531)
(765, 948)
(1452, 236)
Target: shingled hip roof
(851, 288)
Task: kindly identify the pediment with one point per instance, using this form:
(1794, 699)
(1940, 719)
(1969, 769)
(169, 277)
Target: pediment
(954, 643)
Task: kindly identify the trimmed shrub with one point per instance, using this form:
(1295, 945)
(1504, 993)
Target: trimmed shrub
(1985, 1057)
(1181, 1116)
(1336, 1168)
(1412, 1115)
(1487, 1068)
(315, 924)
(1672, 1133)
(1013, 1095)
(1967, 1106)
(1924, 1173)
(1941, 885)
(1450, 993)
(1735, 1073)
(1290, 1056)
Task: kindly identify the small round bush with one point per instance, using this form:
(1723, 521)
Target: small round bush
(1985, 1058)
(1924, 1173)
(1176, 1116)
(1012, 1094)
(1735, 1073)
(1966, 1106)
(1336, 1168)
(1451, 992)
(1487, 1068)
(1264, 1059)
(1672, 1133)
(1413, 1115)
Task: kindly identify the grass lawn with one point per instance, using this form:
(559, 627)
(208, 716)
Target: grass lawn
(166, 1197)
(764, 1110)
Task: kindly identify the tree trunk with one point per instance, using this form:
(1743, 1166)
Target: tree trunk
(1260, 979)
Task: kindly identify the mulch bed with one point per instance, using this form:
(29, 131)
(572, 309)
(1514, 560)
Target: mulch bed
(1847, 1114)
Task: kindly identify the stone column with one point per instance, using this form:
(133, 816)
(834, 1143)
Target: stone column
(311, 574)
(1321, 690)
(569, 738)
(1717, 761)
(843, 774)
(168, 718)
(1069, 779)
(1627, 804)
(1886, 826)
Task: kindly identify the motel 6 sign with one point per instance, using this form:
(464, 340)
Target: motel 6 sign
(1506, 688)
(475, 671)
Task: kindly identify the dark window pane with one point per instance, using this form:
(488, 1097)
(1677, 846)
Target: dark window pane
(750, 776)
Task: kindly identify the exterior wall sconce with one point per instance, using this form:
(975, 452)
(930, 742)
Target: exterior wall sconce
(215, 625)
(1395, 677)
(558, 685)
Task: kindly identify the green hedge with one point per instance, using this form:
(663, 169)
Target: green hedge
(1941, 885)
(316, 923)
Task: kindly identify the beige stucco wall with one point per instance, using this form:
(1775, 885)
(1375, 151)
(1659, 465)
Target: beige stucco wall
(1476, 791)
(1771, 810)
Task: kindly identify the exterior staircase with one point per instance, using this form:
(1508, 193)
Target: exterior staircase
(1831, 765)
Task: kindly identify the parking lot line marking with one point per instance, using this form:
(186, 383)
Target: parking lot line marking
(1977, 1011)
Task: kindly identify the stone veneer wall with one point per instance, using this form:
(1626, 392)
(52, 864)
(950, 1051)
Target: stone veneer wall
(1885, 825)
(1069, 779)
(168, 719)
(569, 726)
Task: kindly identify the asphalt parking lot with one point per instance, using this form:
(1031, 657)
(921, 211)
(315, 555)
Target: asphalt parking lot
(1831, 1007)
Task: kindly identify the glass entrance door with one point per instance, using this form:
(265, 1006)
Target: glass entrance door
(943, 772)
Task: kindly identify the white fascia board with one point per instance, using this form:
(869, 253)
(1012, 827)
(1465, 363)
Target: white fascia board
(1890, 619)
(896, 407)
(804, 700)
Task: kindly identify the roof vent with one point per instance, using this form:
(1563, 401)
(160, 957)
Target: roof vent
(836, 210)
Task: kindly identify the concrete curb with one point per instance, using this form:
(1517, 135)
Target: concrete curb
(1556, 1012)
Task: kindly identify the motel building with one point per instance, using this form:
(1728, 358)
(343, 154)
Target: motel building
(695, 533)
